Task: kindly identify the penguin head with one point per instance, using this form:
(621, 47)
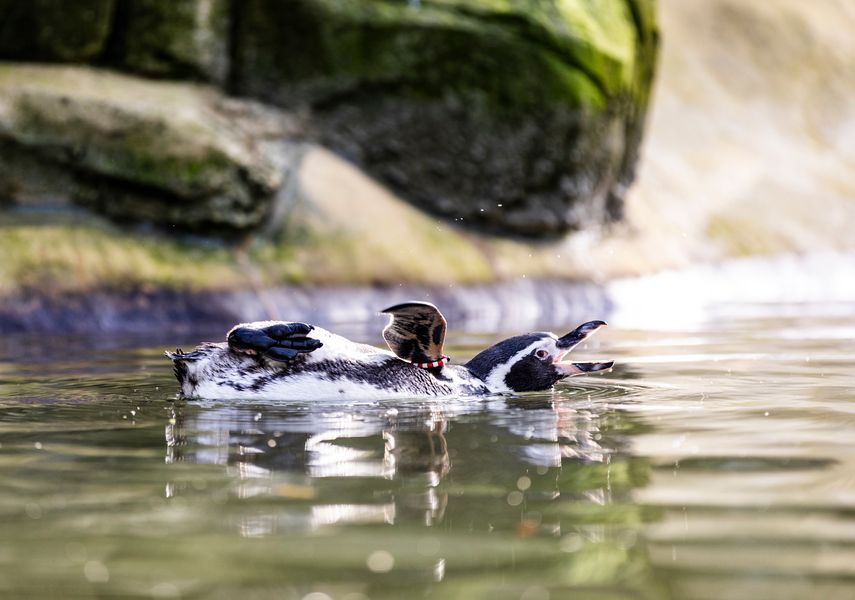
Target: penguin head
(533, 362)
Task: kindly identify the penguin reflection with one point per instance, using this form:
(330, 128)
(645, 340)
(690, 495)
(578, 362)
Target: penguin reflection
(300, 454)
(420, 456)
(558, 431)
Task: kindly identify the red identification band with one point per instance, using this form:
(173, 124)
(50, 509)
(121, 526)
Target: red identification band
(434, 364)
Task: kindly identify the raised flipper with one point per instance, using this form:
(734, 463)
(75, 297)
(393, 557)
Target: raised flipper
(282, 341)
(416, 332)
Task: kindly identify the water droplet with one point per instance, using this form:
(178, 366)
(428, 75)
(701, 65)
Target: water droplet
(271, 443)
(317, 596)
(38, 445)
(96, 572)
(515, 498)
(380, 561)
(523, 483)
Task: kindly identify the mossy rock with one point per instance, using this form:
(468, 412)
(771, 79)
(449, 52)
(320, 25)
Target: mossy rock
(179, 155)
(54, 30)
(179, 39)
(521, 116)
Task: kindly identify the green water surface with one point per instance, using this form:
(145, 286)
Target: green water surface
(715, 461)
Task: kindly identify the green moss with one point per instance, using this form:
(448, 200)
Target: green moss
(136, 150)
(63, 257)
(146, 151)
(572, 85)
(461, 105)
(48, 30)
(179, 38)
(519, 54)
(78, 256)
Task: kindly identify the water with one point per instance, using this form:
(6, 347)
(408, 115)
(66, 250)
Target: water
(716, 461)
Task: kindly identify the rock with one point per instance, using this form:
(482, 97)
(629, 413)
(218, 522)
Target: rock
(518, 116)
(180, 155)
(341, 227)
(177, 39)
(345, 228)
(54, 30)
(338, 227)
(646, 50)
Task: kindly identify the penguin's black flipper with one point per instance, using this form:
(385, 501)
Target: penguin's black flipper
(282, 341)
(284, 331)
(416, 331)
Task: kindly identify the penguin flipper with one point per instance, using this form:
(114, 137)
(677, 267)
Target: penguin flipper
(416, 331)
(281, 342)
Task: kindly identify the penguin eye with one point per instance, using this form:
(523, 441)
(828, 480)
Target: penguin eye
(541, 354)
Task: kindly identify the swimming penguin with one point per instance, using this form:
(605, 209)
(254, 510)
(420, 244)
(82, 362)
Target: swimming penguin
(277, 360)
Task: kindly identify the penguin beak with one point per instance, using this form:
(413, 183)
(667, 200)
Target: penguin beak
(571, 340)
(569, 369)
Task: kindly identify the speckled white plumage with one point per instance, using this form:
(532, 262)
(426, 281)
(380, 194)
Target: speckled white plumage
(282, 360)
(219, 373)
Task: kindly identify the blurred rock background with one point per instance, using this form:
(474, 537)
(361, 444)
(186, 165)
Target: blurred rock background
(751, 139)
(197, 147)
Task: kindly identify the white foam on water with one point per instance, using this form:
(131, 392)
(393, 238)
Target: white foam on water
(745, 287)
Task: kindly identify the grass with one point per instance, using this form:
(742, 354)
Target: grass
(77, 256)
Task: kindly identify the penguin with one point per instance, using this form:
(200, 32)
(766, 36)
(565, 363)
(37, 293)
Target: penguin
(280, 360)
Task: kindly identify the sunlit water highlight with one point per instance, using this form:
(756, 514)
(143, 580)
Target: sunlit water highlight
(716, 461)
